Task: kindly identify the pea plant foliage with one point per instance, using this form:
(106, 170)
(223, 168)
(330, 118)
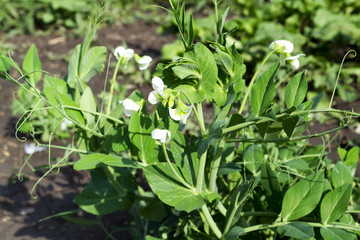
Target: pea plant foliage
(242, 169)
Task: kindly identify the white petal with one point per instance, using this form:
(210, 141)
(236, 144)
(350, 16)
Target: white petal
(31, 148)
(158, 85)
(130, 107)
(144, 62)
(173, 115)
(163, 136)
(295, 64)
(154, 97)
(121, 52)
(295, 57)
(282, 46)
(357, 129)
(186, 116)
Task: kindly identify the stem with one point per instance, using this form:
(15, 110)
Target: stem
(252, 82)
(174, 171)
(200, 177)
(200, 118)
(215, 166)
(112, 84)
(221, 208)
(210, 221)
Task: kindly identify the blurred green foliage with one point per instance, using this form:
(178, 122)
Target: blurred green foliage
(322, 29)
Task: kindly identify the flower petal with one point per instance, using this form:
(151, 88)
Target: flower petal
(144, 62)
(158, 85)
(173, 115)
(163, 136)
(282, 46)
(154, 97)
(130, 107)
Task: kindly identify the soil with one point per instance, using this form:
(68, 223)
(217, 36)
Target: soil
(19, 212)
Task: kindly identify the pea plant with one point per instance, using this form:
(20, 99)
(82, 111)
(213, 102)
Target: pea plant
(204, 155)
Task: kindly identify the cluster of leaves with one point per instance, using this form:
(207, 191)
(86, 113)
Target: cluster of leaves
(247, 173)
(26, 16)
(320, 28)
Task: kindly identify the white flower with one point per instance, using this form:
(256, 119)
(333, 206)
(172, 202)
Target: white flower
(163, 136)
(282, 46)
(124, 54)
(157, 95)
(180, 114)
(130, 107)
(31, 148)
(65, 124)
(144, 62)
(293, 61)
(357, 129)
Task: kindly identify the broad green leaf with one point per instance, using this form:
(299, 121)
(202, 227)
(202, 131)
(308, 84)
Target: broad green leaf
(93, 63)
(225, 61)
(351, 160)
(101, 198)
(253, 158)
(32, 65)
(297, 230)
(167, 187)
(95, 160)
(336, 234)
(295, 90)
(234, 233)
(140, 128)
(51, 87)
(297, 164)
(208, 70)
(117, 140)
(155, 210)
(186, 70)
(289, 124)
(263, 91)
(340, 175)
(74, 115)
(335, 203)
(302, 198)
(269, 180)
(89, 104)
(4, 65)
(74, 66)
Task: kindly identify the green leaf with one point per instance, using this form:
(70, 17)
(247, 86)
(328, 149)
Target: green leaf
(92, 63)
(117, 140)
(269, 180)
(351, 160)
(32, 65)
(101, 198)
(234, 233)
(140, 128)
(335, 203)
(208, 70)
(155, 210)
(186, 70)
(302, 198)
(253, 158)
(263, 91)
(295, 90)
(297, 230)
(340, 175)
(79, 220)
(165, 185)
(289, 124)
(74, 115)
(95, 160)
(4, 65)
(225, 61)
(88, 102)
(336, 234)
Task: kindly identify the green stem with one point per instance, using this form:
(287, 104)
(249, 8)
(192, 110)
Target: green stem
(201, 172)
(211, 221)
(215, 166)
(109, 171)
(112, 85)
(252, 82)
(220, 206)
(173, 170)
(200, 118)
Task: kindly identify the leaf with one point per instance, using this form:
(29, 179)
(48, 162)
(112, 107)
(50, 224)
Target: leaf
(186, 70)
(225, 61)
(263, 91)
(298, 230)
(4, 65)
(208, 70)
(269, 180)
(92, 63)
(302, 198)
(335, 203)
(89, 104)
(95, 160)
(32, 65)
(340, 175)
(289, 124)
(295, 90)
(253, 158)
(234, 233)
(140, 128)
(74, 115)
(116, 140)
(101, 198)
(165, 185)
(336, 234)
(352, 159)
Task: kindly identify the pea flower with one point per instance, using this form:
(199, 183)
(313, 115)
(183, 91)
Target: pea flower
(163, 136)
(31, 148)
(293, 61)
(124, 54)
(181, 113)
(158, 94)
(144, 62)
(65, 124)
(282, 46)
(130, 107)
